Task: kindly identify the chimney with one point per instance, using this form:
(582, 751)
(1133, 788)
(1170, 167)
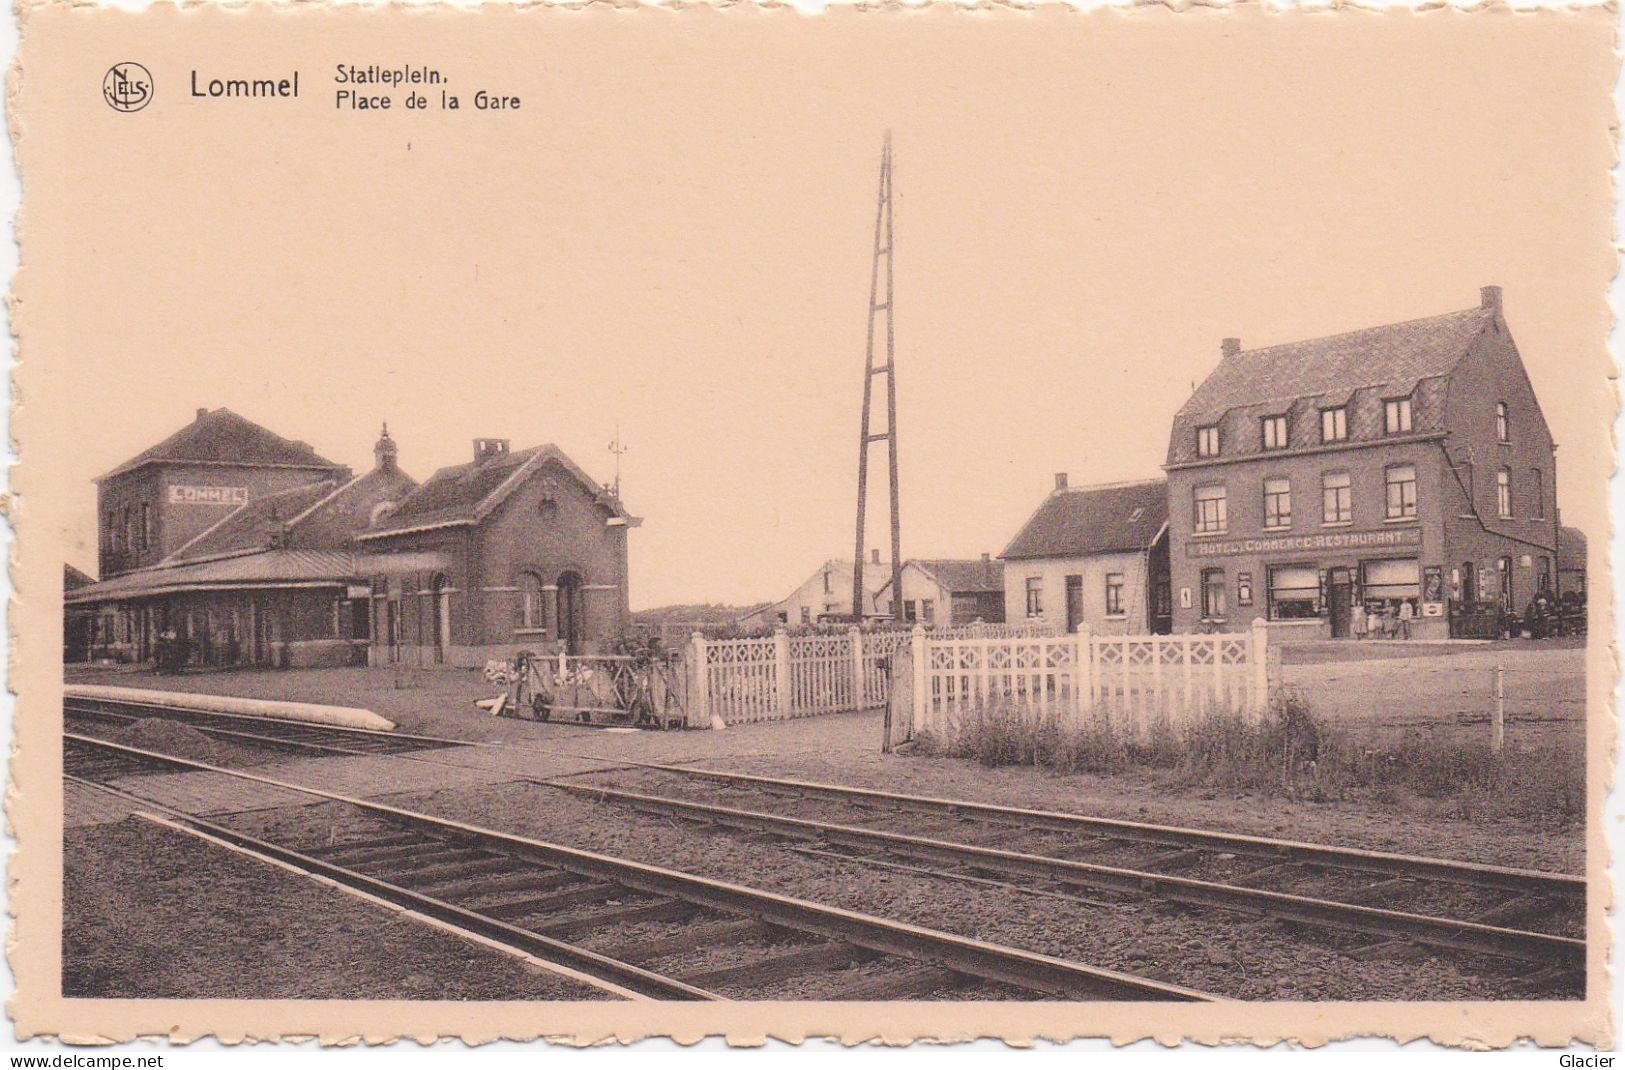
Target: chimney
(987, 559)
(874, 557)
(201, 413)
(486, 449)
(1060, 480)
(1489, 297)
(384, 452)
(1230, 347)
(276, 532)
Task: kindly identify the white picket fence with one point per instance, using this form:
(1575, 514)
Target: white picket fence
(1138, 679)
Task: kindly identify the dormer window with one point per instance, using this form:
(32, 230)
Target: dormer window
(1396, 416)
(1207, 441)
(1274, 432)
(1334, 424)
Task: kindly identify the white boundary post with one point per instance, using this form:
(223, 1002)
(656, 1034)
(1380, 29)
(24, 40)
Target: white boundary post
(1085, 666)
(917, 646)
(781, 659)
(860, 695)
(1258, 657)
(700, 700)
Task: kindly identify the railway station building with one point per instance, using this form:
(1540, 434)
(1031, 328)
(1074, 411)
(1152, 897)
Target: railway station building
(254, 550)
(512, 550)
(1394, 480)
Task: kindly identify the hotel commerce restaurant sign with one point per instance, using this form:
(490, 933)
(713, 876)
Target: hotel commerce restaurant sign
(1273, 544)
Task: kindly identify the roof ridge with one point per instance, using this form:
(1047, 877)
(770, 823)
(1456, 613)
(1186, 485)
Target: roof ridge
(1363, 330)
(1119, 485)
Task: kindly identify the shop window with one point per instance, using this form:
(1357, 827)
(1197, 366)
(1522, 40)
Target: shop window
(1336, 498)
(1213, 594)
(1334, 424)
(1273, 431)
(1211, 518)
(1114, 594)
(1035, 596)
(1396, 416)
(1503, 433)
(1207, 441)
(1277, 503)
(1401, 480)
(1294, 593)
(1387, 586)
(1503, 493)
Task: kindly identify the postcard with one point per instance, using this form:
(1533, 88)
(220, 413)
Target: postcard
(896, 524)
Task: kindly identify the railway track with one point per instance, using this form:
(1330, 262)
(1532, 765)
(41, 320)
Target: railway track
(1517, 916)
(640, 930)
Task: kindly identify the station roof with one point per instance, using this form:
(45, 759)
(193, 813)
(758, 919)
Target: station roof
(467, 493)
(1084, 521)
(267, 569)
(221, 436)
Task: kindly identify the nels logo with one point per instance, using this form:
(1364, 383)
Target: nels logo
(127, 87)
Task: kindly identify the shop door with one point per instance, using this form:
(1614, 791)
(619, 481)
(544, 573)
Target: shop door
(1340, 600)
(1074, 603)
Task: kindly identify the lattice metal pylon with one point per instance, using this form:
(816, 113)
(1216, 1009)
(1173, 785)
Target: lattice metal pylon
(880, 305)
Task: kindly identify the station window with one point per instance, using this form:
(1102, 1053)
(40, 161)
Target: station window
(1334, 424)
(531, 604)
(1336, 498)
(1294, 592)
(1503, 493)
(1213, 594)
(1035, 596)
(1401, 479)
(1503, 433)
(1273, 430)
(1396, 416)
(1277, 503)
(1114, 594)
(1207, 441)
(1211, 513)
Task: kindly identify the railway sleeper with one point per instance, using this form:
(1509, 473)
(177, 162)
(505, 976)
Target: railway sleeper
(782, 965)
(911, 983)
(498, 888)
(473, 867)
(627, 914)
(374, 854)
(429, 858)
(708, 934)
(590, 892)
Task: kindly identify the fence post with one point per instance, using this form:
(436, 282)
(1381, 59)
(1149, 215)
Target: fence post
(700, 700)
(781, 675)
(1086, 670)
(1258, 659)
(1499, 713)
(860, 689)
(917, 647)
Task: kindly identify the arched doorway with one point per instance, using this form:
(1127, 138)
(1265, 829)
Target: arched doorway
(442, 616)
(569, 612)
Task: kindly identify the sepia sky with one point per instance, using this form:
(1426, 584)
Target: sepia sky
(674, 235)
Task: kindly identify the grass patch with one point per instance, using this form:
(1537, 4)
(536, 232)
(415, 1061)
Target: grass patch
(1291, 752)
